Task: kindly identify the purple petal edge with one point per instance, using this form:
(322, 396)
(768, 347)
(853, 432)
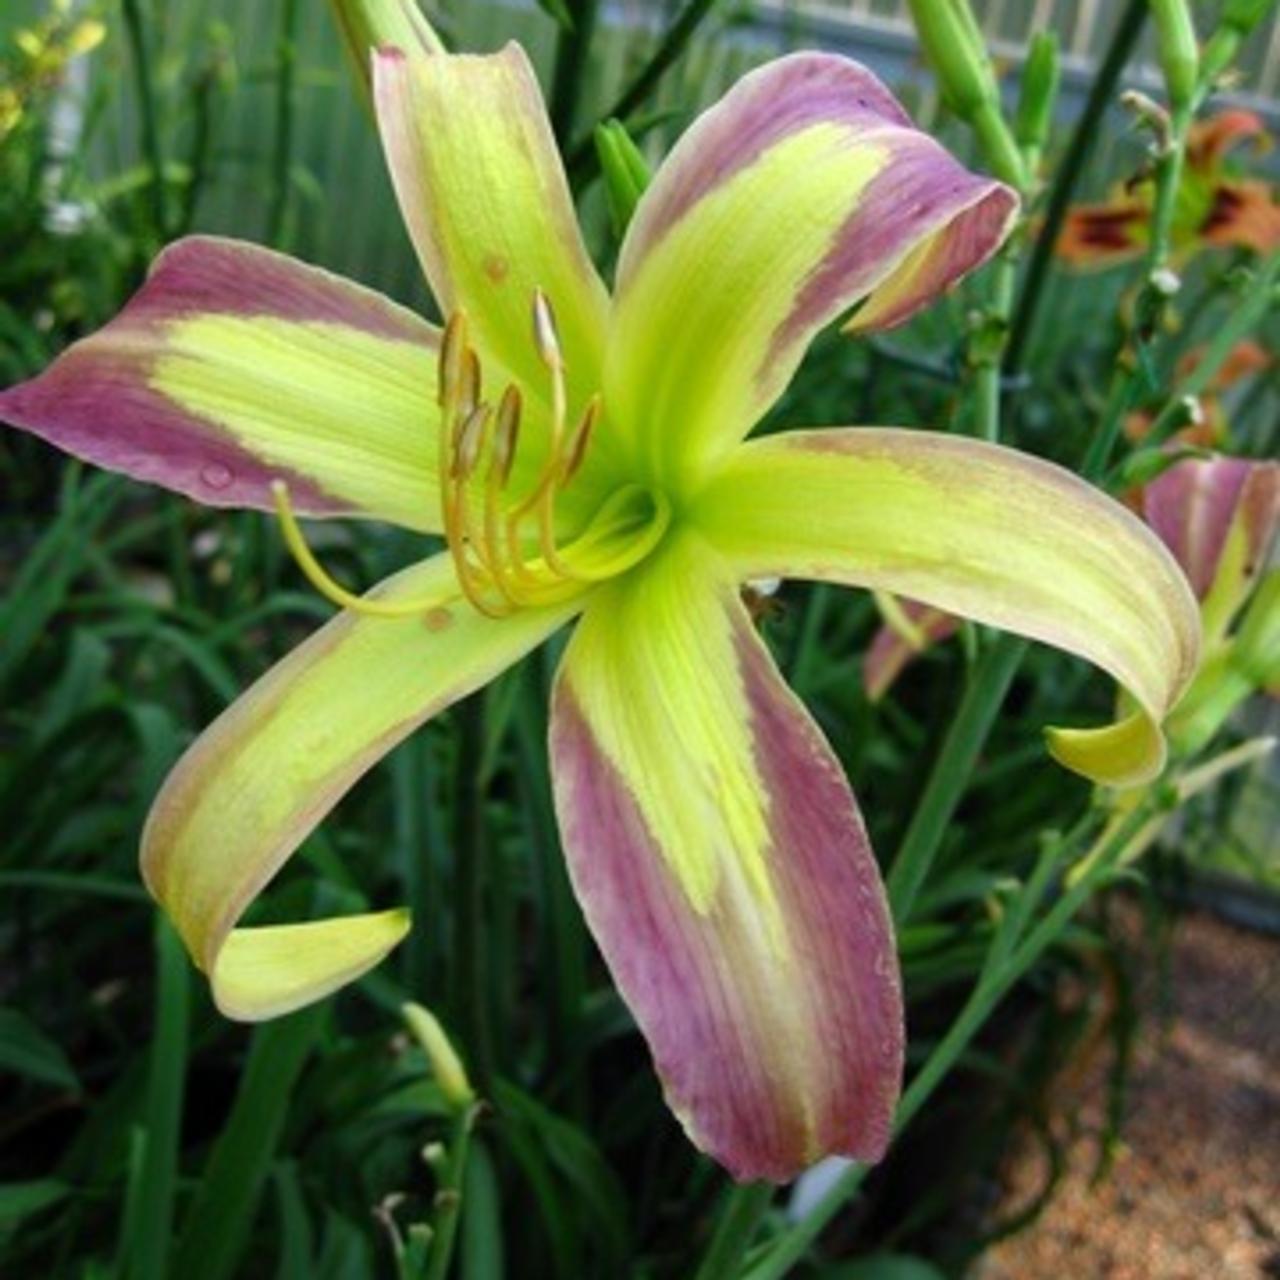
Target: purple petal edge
(95, 402)
(761, 1105)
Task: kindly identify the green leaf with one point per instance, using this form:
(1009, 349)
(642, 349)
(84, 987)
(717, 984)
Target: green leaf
(217, 1225)
(26, 1051)
(19, 1200)
(295, 1226)
(481, 1244)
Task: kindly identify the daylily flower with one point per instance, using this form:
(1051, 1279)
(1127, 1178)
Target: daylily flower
(1219, 517)
(584, 458)
(1216, 205)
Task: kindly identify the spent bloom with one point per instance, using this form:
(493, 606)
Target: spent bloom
(585, 457)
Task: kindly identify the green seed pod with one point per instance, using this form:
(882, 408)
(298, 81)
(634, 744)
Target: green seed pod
(625, 171)
(1179, 53)
(1039, 93)
(956, 50)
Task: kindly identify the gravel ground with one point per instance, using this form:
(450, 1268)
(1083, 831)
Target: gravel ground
(1195, 1190)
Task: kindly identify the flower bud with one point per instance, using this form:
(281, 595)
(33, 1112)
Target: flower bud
(1178, 52)
(445, 1064)
(1039, 91)
(366, 25)
(625, 171)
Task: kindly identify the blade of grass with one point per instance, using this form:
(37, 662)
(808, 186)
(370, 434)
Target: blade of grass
(217, 1225)
(145, 1245)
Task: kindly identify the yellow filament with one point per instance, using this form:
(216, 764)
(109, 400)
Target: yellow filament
(320, 579)
(495, 571)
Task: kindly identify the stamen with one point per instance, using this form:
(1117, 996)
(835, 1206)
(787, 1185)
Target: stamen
(472, 437)
(497, 568)
(581, 439)
(320, 579)
(453, 350)
(506, 435)
(472, 382)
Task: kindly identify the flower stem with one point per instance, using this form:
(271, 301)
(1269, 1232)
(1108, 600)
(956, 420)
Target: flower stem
(448, 1201)
(745, 1205)
(135, 29)
(1087, 132)
(581, 160)
(1126, 383)
(977, 712)
(470, 939)
(282, 151)
(987, 376)
(572, 54)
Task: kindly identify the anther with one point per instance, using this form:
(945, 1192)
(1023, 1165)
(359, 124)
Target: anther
(581, 439)
(470, 392)
(453, 351)
(506, 435)
(545, 335)
(470, 438)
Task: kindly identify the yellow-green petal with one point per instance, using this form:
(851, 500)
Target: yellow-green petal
(724, 869)
(805, 191)
(485, 198)
(981, 531)
(234, 366)
(264, 774)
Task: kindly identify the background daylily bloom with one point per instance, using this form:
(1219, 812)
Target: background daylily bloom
(908, 630)
(1220, 516)
(1217, 206)
(584, 457)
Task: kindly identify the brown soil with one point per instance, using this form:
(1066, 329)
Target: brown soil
(1194, 1193)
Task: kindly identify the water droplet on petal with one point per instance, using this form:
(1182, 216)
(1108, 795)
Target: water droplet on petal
(216, 475)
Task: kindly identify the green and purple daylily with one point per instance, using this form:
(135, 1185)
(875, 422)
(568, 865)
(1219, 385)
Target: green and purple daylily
(584, 457)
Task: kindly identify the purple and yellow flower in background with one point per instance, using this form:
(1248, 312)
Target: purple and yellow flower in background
(584, 455)
(1217, 204)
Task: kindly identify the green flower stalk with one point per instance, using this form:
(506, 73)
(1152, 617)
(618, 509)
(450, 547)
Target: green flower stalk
(1038, 97)
(1178, 52)
(957, 51)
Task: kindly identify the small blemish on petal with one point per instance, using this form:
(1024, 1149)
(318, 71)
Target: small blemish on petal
(497, 268)
(438, 619)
